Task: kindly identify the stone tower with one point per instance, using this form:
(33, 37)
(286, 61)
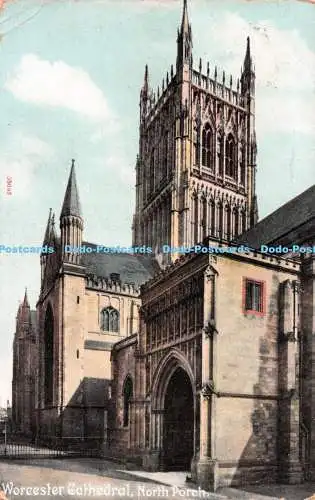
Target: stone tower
(61, 314)
(195, 172)
(24, 370)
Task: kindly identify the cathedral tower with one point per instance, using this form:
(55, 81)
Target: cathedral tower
(195, 173)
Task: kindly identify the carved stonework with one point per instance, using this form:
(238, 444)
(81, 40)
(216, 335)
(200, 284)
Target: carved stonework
(207, 390)
(210, 328)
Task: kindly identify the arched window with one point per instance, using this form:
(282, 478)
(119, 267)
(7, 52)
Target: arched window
(152, 172)
(236, 221)
(207, 140)
(196, 219)
(220, 220)
(49, 356)
(196, 140)
(230, 169)
(220, 154)
(110, 320)
(165, 153)
(243, 221)
(242, 164)
(228, 222)
(127, 395)
(204, 221)
(212, 218)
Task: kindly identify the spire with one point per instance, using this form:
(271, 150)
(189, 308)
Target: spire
(47, 231)
(248, 58)
(145, 87)
(71, 204)
(247, 72)
(184, 41)
(25, 301)
(185, 20)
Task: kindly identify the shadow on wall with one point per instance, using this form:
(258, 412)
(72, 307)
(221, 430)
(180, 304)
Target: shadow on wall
(83, 422)
(261, 458)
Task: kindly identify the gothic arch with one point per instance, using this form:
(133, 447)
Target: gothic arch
(207, 140)
(49, 355)
(127, 396)
(163, 373)
(230, 156)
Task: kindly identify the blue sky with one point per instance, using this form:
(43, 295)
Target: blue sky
(71, 72)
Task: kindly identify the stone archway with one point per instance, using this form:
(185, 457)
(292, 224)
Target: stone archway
(178, 435)
(173, 414)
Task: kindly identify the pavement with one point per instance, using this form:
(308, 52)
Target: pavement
(81, 479)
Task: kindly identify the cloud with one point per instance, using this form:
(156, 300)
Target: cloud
(121, 167)
(56, 84)
(20, 162)
(285, 70)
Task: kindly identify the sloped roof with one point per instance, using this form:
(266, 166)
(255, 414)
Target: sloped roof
(291, 215)
(132, 268)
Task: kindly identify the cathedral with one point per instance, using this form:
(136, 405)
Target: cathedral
(199, 360)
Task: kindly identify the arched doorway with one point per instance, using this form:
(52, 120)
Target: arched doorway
(178, 435)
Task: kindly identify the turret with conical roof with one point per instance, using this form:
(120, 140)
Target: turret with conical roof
(71, 221)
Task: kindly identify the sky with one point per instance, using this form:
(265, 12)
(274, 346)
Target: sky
(70, 77)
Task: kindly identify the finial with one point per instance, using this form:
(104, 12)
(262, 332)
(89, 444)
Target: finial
(158, 92)
(200, 65)
(223, 78)
(167, 79)
(231, 81)
(215, 73)
(208, 69)
(163, 85)
(172, 71)
(72, 163)
(25, 301)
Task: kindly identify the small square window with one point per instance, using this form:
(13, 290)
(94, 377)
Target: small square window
(253, 296)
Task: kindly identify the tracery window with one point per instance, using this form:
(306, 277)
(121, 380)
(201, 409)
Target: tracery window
(230, 169)
(110, 319)
(127, 394)
(207, 142)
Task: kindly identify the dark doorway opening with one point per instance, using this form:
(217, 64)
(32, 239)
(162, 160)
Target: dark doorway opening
(178, 443)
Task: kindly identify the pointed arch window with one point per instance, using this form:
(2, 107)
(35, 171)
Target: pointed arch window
(49, 356)
(207, 143)
(110, 320)
(165, 154)
(204, 221)
(243, 221)
(220, 220)
(196, 219)
(127, 395)
(230, 169)
(152, 172)
(242, 164)
(228, 222)
(212, 218)
(196, 140)
(220, 154)
(236, 221)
